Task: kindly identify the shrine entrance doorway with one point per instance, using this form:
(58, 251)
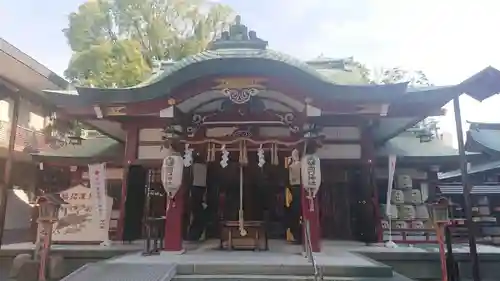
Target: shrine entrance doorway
(263, 197)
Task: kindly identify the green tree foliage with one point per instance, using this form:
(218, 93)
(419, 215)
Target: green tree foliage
(115, 42)
(428, 127)
(398, 75)
(109, 64)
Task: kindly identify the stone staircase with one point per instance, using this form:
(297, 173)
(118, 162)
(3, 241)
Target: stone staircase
(279, 278)
(103, 271)
(234, 266)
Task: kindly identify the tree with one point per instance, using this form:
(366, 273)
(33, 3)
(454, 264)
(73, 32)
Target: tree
(115, 42)
(397, 75)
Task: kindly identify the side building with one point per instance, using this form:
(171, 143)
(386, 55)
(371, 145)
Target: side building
(483, 139)
(24, 113)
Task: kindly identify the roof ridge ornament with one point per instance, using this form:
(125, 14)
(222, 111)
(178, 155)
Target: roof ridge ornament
(238, 37)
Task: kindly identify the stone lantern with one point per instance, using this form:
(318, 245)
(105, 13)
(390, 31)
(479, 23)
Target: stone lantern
(441, 211)
(48, 214)
(28, 267)
(441, 220)
(48, 207)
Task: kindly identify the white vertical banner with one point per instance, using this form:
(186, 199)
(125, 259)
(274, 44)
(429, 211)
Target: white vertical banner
(97, 179)
(390, 181)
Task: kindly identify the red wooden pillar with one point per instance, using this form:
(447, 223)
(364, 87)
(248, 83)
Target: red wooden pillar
(131, 147)
(173, 223)
(314, 224)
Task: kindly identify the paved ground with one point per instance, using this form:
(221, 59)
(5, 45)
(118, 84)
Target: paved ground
(11, 237)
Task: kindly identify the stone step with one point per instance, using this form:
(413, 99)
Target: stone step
(122, 272)
(396, 277)
(381, 271)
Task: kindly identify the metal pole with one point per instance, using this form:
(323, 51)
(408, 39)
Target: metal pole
(466, 192)
(9, 162)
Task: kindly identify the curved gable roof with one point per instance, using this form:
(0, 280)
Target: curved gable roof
(252, 62)
(484, 137)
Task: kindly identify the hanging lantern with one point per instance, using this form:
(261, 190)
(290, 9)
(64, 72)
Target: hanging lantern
(48, 207)
(294, 168)
(171, 173)
(311, 172)
(311, 177)
(440, 211)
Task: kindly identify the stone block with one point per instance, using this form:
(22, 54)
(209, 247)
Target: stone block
(56, 267)
(28, 271)
(17, 263)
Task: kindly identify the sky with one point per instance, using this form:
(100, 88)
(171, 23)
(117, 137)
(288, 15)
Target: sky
(447, 39)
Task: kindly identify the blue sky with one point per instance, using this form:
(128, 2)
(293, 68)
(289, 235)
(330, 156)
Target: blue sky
(447, 39)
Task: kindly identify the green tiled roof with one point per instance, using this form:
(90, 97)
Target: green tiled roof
(336, 71)
(102, 148)
(484, 137)
(240, 54)
(474, 168)
(409, 145)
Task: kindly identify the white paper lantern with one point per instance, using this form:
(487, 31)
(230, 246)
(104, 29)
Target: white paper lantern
(311, 173)
(294, 173)
(171, 173)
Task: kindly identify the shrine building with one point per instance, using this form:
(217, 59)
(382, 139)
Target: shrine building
(243, 118)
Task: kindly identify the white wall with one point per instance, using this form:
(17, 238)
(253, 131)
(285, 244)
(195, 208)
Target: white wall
(5, 110)
(30, 116)
(18, 211)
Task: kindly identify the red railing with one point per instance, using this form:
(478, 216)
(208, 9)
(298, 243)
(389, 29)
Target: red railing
(27, 140)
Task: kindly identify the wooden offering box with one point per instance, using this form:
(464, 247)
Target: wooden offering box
(231, 239)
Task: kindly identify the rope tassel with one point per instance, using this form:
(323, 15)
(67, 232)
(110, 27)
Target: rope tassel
(209, 152)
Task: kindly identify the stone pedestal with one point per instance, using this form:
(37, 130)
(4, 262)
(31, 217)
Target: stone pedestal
(24, 268)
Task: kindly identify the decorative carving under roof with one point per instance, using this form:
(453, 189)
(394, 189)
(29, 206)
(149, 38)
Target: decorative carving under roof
(238, 37)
